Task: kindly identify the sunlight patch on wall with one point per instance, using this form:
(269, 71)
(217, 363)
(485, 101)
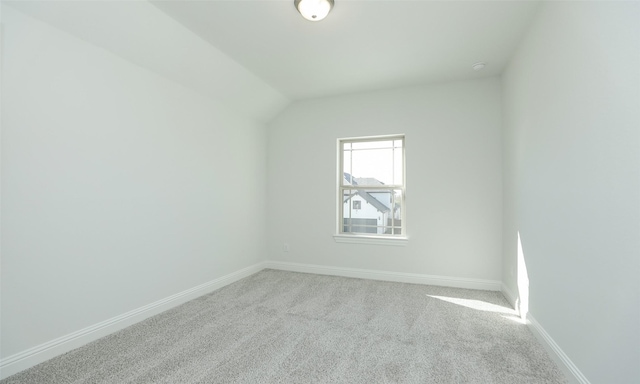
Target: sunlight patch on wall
(522, 303)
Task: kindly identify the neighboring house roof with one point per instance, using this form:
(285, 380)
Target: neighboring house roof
(367, 181)
(348, 177)
(380, 206)
(361, 180)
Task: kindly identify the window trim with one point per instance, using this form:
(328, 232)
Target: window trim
(380, 239)
(371, 239)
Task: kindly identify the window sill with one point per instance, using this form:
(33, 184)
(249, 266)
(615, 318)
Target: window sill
(375, 240)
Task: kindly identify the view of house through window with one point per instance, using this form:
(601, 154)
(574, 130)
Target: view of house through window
(371, 186)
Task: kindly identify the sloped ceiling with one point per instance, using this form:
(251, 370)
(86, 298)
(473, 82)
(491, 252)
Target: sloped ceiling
(142, 34)
(259, 55)
(361, 45)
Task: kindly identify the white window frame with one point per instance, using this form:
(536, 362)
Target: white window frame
(378, 239)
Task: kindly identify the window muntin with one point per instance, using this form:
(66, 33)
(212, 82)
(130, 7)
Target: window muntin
(372, 179)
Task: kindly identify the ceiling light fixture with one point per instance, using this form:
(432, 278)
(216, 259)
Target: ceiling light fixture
(313, 10)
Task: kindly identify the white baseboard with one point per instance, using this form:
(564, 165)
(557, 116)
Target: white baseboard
(561, 359)
(556, 353)
(414, 278)
(509, 295)
(40, 353)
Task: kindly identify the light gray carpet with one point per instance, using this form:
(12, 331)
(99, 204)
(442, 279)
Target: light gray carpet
(285, 327)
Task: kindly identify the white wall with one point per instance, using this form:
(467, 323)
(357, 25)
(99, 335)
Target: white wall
(119, 188)
(572, 181)
(454, 185)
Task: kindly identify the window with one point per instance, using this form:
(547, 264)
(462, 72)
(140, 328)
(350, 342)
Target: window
(371, 189)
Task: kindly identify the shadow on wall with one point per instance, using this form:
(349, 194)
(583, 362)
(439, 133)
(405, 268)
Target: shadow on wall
(522, 303)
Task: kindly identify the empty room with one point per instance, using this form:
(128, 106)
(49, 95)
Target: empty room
(320, 191)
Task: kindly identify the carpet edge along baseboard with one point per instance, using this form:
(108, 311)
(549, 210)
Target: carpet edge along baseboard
(50, 349)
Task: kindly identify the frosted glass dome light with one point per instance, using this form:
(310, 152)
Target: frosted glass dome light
(313, 10)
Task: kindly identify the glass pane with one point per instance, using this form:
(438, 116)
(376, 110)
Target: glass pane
(360, 212)
(371, 211)
(373, 167)
(397, 143)
(346, 167)
(383, 199)
(397, 166)
(347, 196)
(396, 221)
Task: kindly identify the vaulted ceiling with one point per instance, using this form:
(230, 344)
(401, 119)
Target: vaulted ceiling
(260, 55)
(361, 45)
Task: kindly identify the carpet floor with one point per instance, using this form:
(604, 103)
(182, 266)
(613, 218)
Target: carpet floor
(286, 327)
